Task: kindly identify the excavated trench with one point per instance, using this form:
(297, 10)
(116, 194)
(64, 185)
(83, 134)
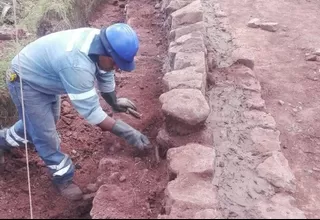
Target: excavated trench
(131, 183)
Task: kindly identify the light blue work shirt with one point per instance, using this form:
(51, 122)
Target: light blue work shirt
(58, 63)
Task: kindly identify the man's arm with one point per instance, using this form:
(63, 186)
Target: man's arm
(84, 98)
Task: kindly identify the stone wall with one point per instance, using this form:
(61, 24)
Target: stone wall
(244, 175)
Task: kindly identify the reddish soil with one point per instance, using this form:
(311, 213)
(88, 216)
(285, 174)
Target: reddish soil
(87, 144)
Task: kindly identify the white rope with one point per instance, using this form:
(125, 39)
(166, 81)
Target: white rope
(23, 110)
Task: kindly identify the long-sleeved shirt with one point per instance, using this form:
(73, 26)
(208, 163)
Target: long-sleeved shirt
(59, 63)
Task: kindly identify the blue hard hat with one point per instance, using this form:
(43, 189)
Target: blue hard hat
(122, 43)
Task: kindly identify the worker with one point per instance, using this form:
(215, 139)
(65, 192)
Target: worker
(70, 62)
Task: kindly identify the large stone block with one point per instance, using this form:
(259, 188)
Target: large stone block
(186, 78)
(112, 202)
(279, 207)
(276, 170)
(174, 5)
(189, 192)
(176, 33)
(192, 158)
(189, 43)
(265, 140)
(183, 60)
(189, 14)
(186, 110)
(244, 77)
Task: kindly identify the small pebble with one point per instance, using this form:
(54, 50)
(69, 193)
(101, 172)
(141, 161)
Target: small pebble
(122, 178)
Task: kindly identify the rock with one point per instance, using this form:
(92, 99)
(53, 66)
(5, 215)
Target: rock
(265, 140)
(174, 5)
(122, 5)
(295, 110)
(106, 163)
(244, 57)
(186, 110)
(207, 214)
(189, 14)
(255, 102)
(279, 207)
(186, 78)
(115, 2)
(311, 57)
(192, 158)
(259, 118)
(189, 43)
(281, 102)
(276, 170)
(112, 202)
(189, 192)
(74, 152)
(122, 178)
(187, 29)
(317, 52)
(244, 78)
(269, 26)
(183, 60)
(92, 187)
(254, 23)
(88, 196)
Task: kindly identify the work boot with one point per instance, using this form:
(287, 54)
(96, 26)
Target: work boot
(70, 191)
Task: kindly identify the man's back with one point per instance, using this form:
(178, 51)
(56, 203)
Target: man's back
(42, 60)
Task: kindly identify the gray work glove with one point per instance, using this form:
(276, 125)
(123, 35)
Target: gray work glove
(123, 104)
(131, 135)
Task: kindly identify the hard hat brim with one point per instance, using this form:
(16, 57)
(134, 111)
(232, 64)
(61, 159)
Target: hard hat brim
(121, 63)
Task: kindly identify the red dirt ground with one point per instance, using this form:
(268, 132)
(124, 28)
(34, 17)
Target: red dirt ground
(87, 144)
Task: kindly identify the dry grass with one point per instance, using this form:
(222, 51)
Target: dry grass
(32, 16)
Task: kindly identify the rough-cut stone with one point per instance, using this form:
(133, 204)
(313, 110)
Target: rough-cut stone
(183, 60)
(92, 187)
(254, 23)
(192, 158)
(317, 52)
(186, 78)
(176, 33)
(186, 110)
(189, 191)
(207, 214)
(276, 170)
(174, 5)
(243, 56)
(189, 14)
(265, 140)
(279, 207)
(269, 26)
(189, 43)
(259, 118)
(244, 78)
(255, 101)
(112, 202)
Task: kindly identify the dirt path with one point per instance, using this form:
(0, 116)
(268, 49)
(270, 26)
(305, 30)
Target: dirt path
(88, 145)
(285, 75)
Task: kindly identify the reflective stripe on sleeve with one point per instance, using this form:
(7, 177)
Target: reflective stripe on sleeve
(82, 96)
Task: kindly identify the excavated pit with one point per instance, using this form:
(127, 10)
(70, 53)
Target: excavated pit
(102, 160)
